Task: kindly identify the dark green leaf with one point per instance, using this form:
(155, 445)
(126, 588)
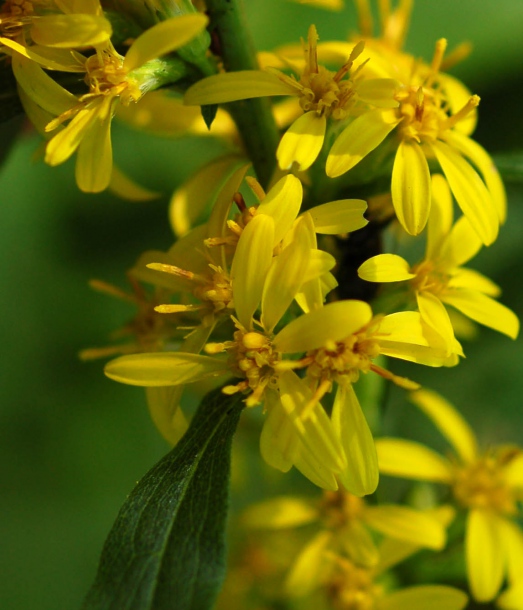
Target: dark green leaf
(10, 105)
(510, 166)
(209, 114)
(166, 549)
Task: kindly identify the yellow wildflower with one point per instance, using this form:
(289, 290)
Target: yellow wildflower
(439, 279)
(111, 78)
(345, 522)
(322, 95)
(434, 118)
(488, 485)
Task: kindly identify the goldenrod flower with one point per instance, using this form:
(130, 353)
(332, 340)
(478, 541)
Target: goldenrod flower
(488, 485)
(345, 523)
(111, 79)
(439, 279)
(434, 118)
(322, 95)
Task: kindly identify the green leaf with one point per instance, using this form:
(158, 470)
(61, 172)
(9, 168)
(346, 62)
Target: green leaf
(209, 114)
(510, 166)
(166, 550)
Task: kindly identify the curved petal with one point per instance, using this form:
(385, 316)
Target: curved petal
(512, 541)
(282, 203)
(411, 189)
(336, 217)
(164, 368)
(250, 266)
(385, 268)
(302, 142)
(513, 472)
(484, 555)
(435, 315)
(470, 192)
(511, 598)
(70, 31)
(379, 92)
(361, 475)
(234, 86)
(333, 322)
(407, 524)
(164, 408)
(278, 439)
(412, 460)
(163, 38)
(64, 60)
(357, 140)
(440, 218)
(481, 308)
(462, 243)
(449, 422)
(358, 544)
(473, 280)
(424, 597)
(280, 513)
(64, 144)
(307, 570)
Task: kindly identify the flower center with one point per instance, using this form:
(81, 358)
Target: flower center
(429, 278)
(14, 15)
(483, 485)
(105, 75)
(353, 588)
(324, 93)
(339, 508)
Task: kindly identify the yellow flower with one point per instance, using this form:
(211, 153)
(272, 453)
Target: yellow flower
(439, 279)
(111, 79)
(322, 95)
(331, 5)
(345, 523)
(434, 118)
(488, 485)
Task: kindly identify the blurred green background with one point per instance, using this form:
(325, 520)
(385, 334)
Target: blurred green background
(73, 443)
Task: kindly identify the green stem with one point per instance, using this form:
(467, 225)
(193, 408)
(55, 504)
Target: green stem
(253, 117)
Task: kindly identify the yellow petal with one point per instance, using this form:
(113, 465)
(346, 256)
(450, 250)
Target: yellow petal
(234, 86)
(52, 59)
(94, 162)
(484, 310)
(307, 570)
(385, 268)
(457, 96)
(435, 315)
(361, 475)
(164, 408)
(411, 189)
(513, 472)
(319, 263)
(511, 598)
(302, 142)
(357, 140)
(512, 540)
(65, 142)
(311, 422)
(70, 31)
(282, 203)
(440, 218)
(278, 439)
(424, 597)
(337, 217)
(470, 192)
(164, 369)
(280, 513)
(379, 92)
(163, 38)
(473, 280)
(482, 160)
(190, 200)
(358, 544)
(126, 188)
(449, 421)
(406, 524)
(284, 280)
(484, 554)
(461, 244)
(40, 87)
(250, 266)
(412, 460)
(333, 322)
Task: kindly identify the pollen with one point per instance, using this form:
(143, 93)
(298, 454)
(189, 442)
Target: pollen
(105, 75)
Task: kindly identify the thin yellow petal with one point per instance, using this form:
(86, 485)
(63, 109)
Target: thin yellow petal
(441, 216)
(278, 439)
(280, 513)
(51, 59)
(307, 570)
(234, 86)
(65, 142)
(484, 310)
(94, 162)
(411, 188)
(379, 92)
(250, 266)
(302, 142)
(473, 280)
(435, 315)
(470, 192)
(70, 31)
(164, 369)
(164, 408)
(282, 203)
(385, 268)
(407, 524)
(424, 597)
(319, 264)
(361, 475)
(163, 38)
(512, 540)
(333, 322)
(358, 544)
(412, 460)
(484, 554)
(337, 217)
(511, 598)
(449, 421)
(357, 140)
(461, 244)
